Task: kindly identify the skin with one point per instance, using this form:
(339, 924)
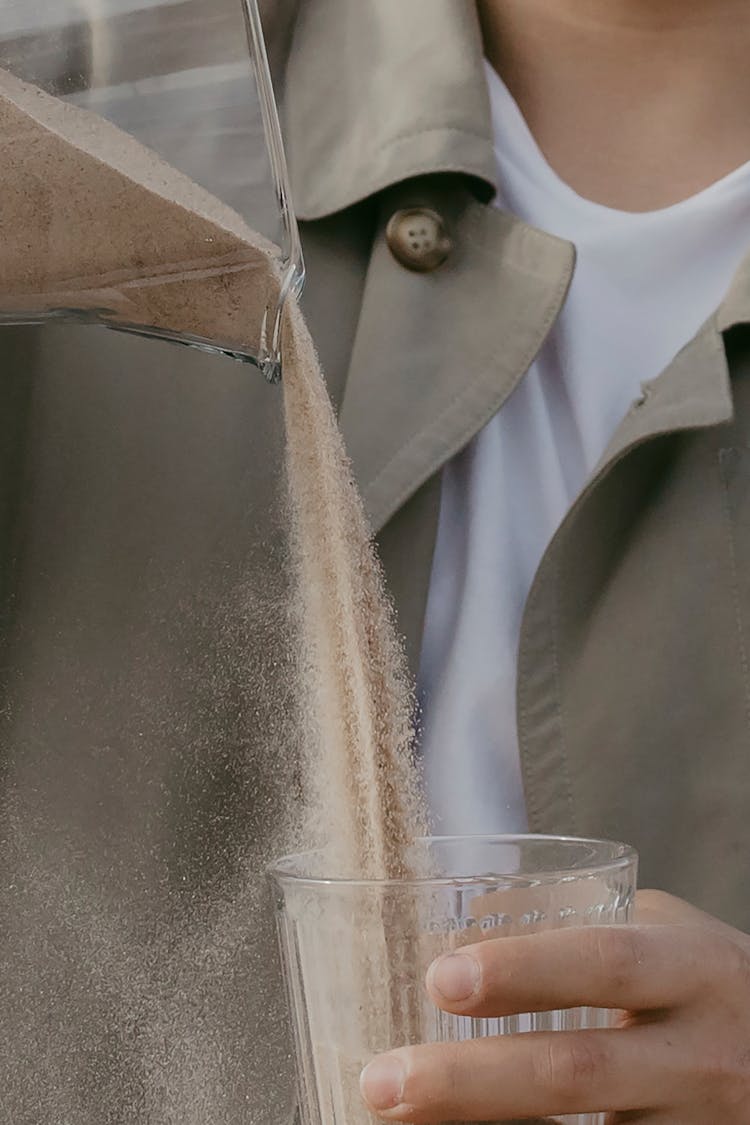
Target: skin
(671, 115)
(670, 85)
(680, 1055)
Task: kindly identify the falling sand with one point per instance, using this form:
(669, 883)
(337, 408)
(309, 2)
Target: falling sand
(366, 801)
(364, 796)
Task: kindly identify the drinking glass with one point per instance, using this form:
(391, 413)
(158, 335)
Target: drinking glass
(355, 952)
(144, 180)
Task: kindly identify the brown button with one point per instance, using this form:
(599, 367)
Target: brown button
(417, 238)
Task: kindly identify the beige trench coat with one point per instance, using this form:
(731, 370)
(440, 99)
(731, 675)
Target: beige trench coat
(135, 514)
(634, 679)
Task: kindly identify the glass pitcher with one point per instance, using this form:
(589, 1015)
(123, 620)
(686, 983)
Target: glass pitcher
(144, 184)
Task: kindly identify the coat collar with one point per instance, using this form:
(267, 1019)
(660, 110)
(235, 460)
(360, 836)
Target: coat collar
(436, 355)
(380, 96)
(695, 390)
(379, 91)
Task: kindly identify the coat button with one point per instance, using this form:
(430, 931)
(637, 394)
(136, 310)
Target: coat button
(418, 239)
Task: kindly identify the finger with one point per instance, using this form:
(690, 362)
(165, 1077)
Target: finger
(630, 967)
(533, 1075)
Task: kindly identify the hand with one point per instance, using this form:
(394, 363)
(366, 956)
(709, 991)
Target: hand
(679, 1056)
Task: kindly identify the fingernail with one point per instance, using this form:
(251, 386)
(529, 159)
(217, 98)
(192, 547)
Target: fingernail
(382, 1083)
(455, 977)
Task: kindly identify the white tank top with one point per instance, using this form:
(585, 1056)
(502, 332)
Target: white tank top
(644, 284)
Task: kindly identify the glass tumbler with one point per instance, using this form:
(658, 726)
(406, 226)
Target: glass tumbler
(355, 953)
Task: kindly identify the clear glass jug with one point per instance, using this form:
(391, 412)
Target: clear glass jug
(144, 182)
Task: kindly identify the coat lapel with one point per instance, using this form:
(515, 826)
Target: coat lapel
(382, 93)
(437, 354)
(695, 390)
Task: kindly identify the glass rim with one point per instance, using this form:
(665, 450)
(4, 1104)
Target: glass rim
(619, 856)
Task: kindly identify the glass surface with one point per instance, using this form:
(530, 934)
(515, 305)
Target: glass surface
(342, 941)
(102, 232)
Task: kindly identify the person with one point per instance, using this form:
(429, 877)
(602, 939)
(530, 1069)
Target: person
(527, 226)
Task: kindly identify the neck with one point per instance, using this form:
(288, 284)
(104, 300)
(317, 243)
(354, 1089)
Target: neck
(635, 103)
